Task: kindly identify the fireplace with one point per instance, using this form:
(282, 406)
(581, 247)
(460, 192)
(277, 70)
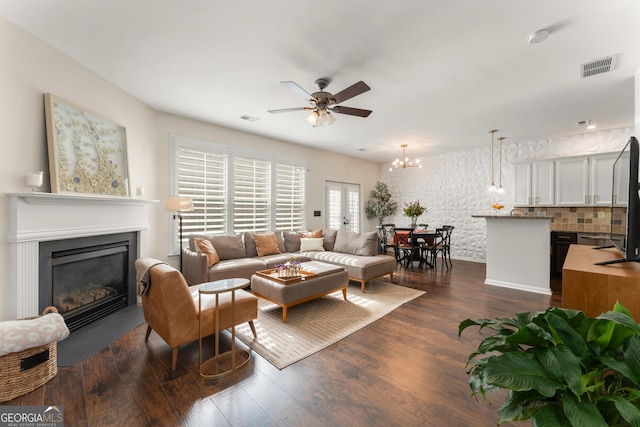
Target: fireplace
(87, 278)
(40, 219)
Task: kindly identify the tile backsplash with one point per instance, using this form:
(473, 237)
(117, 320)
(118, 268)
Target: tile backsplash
(589, 219)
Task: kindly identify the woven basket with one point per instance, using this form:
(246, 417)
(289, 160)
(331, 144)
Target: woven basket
(26, 370)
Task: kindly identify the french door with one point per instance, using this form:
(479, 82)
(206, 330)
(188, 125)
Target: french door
(342, 205)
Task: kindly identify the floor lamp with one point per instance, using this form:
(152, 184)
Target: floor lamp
(178, 205)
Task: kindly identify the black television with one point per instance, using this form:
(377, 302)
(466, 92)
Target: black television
(625, 204)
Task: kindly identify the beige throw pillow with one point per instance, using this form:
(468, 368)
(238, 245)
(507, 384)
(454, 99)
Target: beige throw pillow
(266, 244)
(207, 248)
(311, 244)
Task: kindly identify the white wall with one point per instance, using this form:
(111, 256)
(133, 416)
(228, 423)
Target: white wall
(31, 68)
(453, 186)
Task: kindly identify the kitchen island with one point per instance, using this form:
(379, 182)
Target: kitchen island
(518, 249)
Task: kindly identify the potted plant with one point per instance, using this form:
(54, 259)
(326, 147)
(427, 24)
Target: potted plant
(414, 210)
(380, 205)
(560, 367)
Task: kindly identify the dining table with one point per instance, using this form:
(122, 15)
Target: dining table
(427, 235)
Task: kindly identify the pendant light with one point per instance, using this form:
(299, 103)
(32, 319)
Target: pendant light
(500, 189)
(492, 188)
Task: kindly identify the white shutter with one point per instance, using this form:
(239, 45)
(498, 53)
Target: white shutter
(251, 195)
(203, 176)
(290, 197)
(353, 207)
(334, 206)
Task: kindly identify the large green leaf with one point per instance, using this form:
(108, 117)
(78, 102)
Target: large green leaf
(582, 414)
(519, 372)
(626, 409)
(564, 333)
(620, 366)
(632, 355)
(550, 417)
(608, 333)
(531, 335)
(522, 405)
(621, 319)
(563, 365)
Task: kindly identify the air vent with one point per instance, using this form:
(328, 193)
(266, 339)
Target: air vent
(249, 118)
(598, 66)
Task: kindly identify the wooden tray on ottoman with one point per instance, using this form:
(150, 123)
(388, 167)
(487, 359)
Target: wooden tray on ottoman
(273, 275)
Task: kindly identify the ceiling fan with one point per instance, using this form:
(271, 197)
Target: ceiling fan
(323, 103)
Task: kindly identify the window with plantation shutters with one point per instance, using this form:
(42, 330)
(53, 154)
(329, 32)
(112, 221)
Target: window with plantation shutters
(290, 197)
(251, 195)
(202, 176)
(235, 190)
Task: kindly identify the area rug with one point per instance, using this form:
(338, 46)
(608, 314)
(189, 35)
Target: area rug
(317, 324)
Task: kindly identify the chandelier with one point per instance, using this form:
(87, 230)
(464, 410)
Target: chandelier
(405, 162)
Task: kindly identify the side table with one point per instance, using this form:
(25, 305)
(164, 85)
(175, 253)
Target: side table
(230, 361)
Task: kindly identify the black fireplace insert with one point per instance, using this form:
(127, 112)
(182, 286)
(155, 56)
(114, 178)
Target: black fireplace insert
(88, 278)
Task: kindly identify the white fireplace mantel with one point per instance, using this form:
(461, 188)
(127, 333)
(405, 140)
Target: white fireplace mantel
(37, 217)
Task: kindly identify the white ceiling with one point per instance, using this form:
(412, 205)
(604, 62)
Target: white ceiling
(442, 73)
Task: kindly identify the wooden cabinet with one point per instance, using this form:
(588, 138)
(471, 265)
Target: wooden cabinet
(594, 289)
(534, 184)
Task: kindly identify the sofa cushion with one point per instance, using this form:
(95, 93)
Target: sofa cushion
(228, 247)
(291, 241)
(311, 244)
(266, 244)
(239, 267)
(312, 234)
(205, 246)
(329, 237)
(350, 242)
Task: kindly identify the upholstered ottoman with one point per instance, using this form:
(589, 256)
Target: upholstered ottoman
(329, 278)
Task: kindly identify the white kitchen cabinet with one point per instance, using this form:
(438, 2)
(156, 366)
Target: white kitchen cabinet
(522, 184)
(601, 177)
(572, 181)
(567, 181)
(533, 183)
(542, 183)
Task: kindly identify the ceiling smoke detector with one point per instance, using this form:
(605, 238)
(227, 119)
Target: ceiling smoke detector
(539, 36)
(598, 66)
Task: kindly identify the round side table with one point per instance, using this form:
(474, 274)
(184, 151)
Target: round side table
(235, 358)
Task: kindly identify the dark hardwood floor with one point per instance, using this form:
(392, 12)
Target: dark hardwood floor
(406, 369)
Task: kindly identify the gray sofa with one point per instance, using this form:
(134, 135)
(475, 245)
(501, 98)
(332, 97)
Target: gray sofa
(356, 252)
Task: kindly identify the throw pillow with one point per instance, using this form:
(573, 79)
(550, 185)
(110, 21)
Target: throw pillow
(311, 244)
(291, 241)
(329, 239)
(266, 244)
(313, 234)
(350, 242)
(207, 248)
(229, 246)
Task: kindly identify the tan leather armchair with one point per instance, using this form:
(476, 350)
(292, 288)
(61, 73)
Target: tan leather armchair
(170, 308)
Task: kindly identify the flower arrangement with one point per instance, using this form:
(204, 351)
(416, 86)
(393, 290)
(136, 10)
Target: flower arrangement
(289, 269)
(413, 210)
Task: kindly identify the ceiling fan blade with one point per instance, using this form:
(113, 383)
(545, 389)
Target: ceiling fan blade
(353, 90)
(288, 110)
(351, 111)
(298, 90)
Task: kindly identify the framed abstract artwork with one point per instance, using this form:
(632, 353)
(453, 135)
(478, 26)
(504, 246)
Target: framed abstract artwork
(87, 153)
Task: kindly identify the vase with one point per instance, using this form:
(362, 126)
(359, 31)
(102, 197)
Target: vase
(414, 221)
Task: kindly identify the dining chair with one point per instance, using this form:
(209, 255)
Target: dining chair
(437, 246)
(386, 237)
(447, 251)
(408, 249)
